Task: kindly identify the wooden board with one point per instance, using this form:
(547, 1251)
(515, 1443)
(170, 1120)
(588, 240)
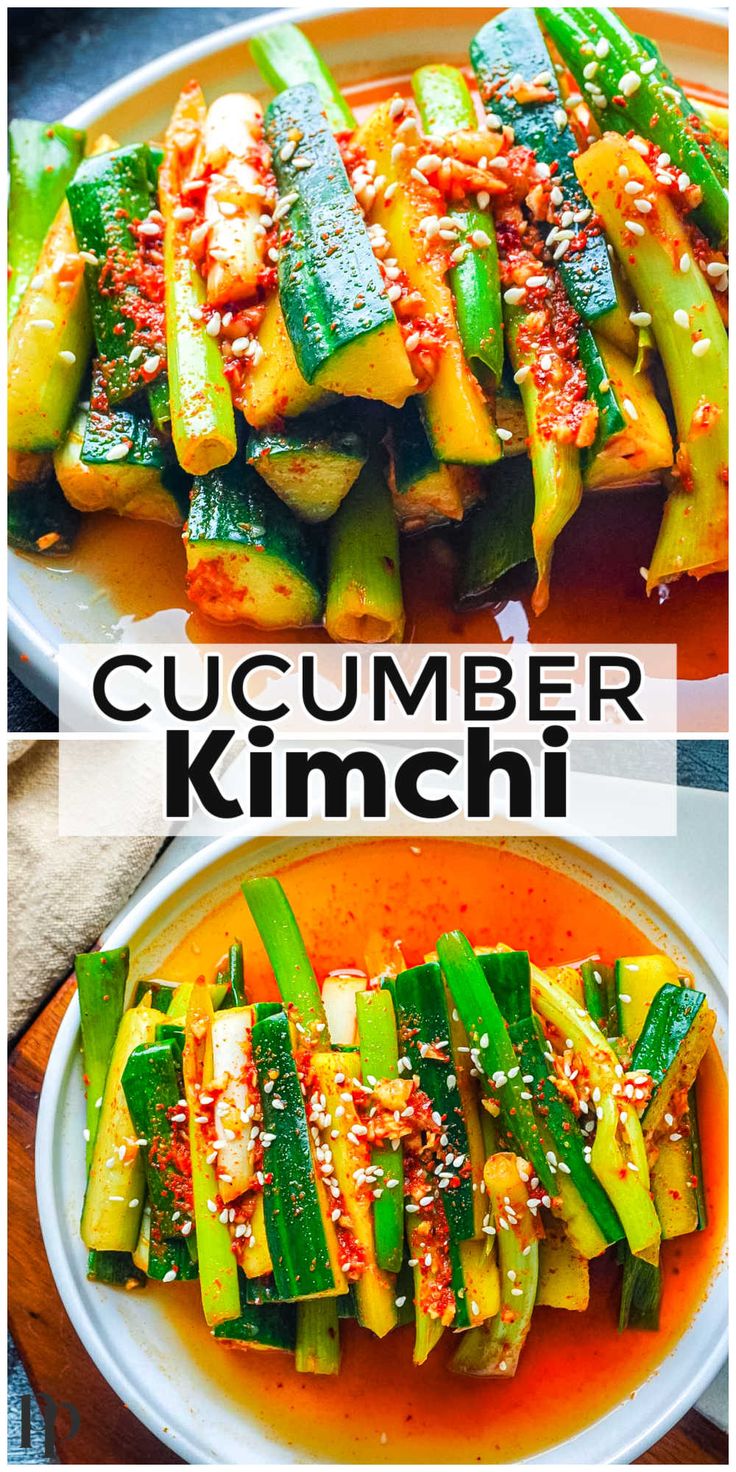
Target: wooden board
(53, 1355)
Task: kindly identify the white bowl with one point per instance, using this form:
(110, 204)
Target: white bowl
(131, 1337)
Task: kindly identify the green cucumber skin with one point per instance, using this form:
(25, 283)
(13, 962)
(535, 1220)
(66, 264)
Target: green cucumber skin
(173, 1033)
(166, 1256)
(507, 974)
(500, 47)
(285, 57)
(498, 537)
(232, 505)
(483, 1020)
(696, 1148)
(421, 1007)
(131, 423)
(379, 1058)
(333, 298)
(715, 151)
(257, 1291)
(268, 1325)
(326, 432)
(445, 104)
(153, 1084)
(641, 1294)
(36, 511)
(611, 420)
(101, 981)
(413, 457)
(573, 32)
(476, 288)
(116, 1269)
(301, 1263)
(600, 996)
(108, 192)
(668, 1023)
(42, 160)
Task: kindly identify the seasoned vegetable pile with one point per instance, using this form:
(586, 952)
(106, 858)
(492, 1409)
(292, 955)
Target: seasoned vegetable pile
(299, 335)
(447, 1145)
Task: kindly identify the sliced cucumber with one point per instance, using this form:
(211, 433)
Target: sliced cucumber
(248, 560)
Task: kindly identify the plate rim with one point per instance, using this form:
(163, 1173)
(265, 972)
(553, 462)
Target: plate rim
(623, 869)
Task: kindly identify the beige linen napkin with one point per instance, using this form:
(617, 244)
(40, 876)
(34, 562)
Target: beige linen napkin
(62, 892)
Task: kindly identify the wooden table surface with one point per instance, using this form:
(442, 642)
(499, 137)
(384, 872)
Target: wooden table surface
(53, 1355)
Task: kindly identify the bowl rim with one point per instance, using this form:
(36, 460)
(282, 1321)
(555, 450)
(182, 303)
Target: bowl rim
(629, 1445)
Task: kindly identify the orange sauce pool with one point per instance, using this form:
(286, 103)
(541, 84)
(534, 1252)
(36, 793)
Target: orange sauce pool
(575, 1367)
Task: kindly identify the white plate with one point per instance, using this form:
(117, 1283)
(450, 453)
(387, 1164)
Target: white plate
(51, 604)
(130, 1337)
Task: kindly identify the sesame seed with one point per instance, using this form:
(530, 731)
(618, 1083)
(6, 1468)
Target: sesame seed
(647, 67)
(602, 48)
(634, 227)
(44, 324)
(716, 269)
(117, 452)
(641, 319)
(522, 373)
(170, 1276)
(629, 83)
(700, 348)
(634, 186)
(644, 206)
(504, 434)
(681, 317)
(514, 295)
(67, 356)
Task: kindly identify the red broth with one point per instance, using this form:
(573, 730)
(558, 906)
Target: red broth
(575, 1367)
